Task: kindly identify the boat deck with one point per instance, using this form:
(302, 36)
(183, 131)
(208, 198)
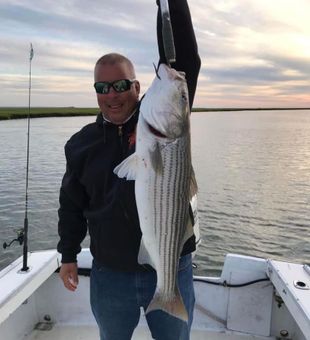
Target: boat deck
(34, 305)
(65, 332)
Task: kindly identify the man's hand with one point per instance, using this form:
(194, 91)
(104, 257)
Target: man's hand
(69, 275)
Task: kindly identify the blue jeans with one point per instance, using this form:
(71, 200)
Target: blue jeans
(116, 298)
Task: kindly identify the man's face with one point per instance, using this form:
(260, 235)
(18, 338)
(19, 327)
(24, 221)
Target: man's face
(117, 107)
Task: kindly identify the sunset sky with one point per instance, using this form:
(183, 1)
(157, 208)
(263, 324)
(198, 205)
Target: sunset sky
(255, 53)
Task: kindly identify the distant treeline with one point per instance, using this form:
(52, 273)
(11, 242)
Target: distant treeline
(22, 112)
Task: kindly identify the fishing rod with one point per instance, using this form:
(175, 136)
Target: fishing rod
(25, 249)
(22, 234)
(167, 32)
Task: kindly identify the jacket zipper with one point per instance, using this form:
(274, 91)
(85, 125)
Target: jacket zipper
(120, 133)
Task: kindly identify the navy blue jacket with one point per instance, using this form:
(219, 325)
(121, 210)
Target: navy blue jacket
(91, 196)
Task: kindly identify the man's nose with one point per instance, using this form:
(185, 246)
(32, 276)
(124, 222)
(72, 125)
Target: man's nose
(112, 92)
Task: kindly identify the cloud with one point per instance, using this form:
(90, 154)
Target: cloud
(252, 51)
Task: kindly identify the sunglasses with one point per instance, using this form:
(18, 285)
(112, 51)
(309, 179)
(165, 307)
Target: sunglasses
(122, 85)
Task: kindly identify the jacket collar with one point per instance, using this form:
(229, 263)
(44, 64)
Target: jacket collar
(133, 119)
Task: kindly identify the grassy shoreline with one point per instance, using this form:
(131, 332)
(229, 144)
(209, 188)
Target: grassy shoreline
(39, 112)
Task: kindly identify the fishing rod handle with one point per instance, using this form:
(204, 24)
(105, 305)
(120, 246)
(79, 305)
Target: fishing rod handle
(167, 33)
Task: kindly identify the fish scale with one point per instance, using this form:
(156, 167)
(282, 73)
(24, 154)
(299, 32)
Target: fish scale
(175, 214)
(164, 184)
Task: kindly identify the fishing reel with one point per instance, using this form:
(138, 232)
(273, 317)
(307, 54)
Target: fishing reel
(20, 238)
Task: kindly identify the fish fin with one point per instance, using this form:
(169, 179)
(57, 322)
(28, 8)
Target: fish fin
(128, 168)
(156, 159)
(193, 185)
(174, 307)
(144, 256)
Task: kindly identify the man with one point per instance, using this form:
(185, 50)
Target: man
(93, 198)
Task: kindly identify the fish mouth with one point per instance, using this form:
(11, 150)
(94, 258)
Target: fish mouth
(155, 132)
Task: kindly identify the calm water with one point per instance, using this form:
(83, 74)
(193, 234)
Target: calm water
(252, 168)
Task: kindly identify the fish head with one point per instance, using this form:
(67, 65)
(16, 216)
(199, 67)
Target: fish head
(165, 106)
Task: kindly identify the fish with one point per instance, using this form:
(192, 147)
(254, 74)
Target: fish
(164, 183)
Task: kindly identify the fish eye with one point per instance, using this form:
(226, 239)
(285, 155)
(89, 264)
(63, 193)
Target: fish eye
(184, 96)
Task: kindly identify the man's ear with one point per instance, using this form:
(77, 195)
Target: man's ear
(137, 87)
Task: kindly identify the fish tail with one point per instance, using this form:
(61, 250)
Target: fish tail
(174, 306)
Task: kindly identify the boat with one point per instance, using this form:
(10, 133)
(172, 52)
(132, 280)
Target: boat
(253, 298)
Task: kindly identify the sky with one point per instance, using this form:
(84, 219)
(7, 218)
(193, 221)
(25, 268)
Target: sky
(254, 53)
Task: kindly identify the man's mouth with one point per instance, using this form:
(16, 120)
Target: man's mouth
(115, 106)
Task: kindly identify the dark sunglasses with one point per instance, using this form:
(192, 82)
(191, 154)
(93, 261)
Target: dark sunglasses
(122, 85)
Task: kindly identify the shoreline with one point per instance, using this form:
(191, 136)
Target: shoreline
(7, 113)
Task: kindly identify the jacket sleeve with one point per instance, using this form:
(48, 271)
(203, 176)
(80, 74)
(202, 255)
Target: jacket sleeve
(187, 57)
(72, 225)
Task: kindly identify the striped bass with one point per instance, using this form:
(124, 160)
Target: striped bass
(164, 183)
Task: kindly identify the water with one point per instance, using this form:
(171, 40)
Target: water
(252, 168)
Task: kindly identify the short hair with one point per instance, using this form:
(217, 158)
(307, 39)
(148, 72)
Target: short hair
(115, 58)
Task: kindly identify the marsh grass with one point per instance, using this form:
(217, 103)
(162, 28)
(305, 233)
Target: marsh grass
(35, 112)
(22, 112)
